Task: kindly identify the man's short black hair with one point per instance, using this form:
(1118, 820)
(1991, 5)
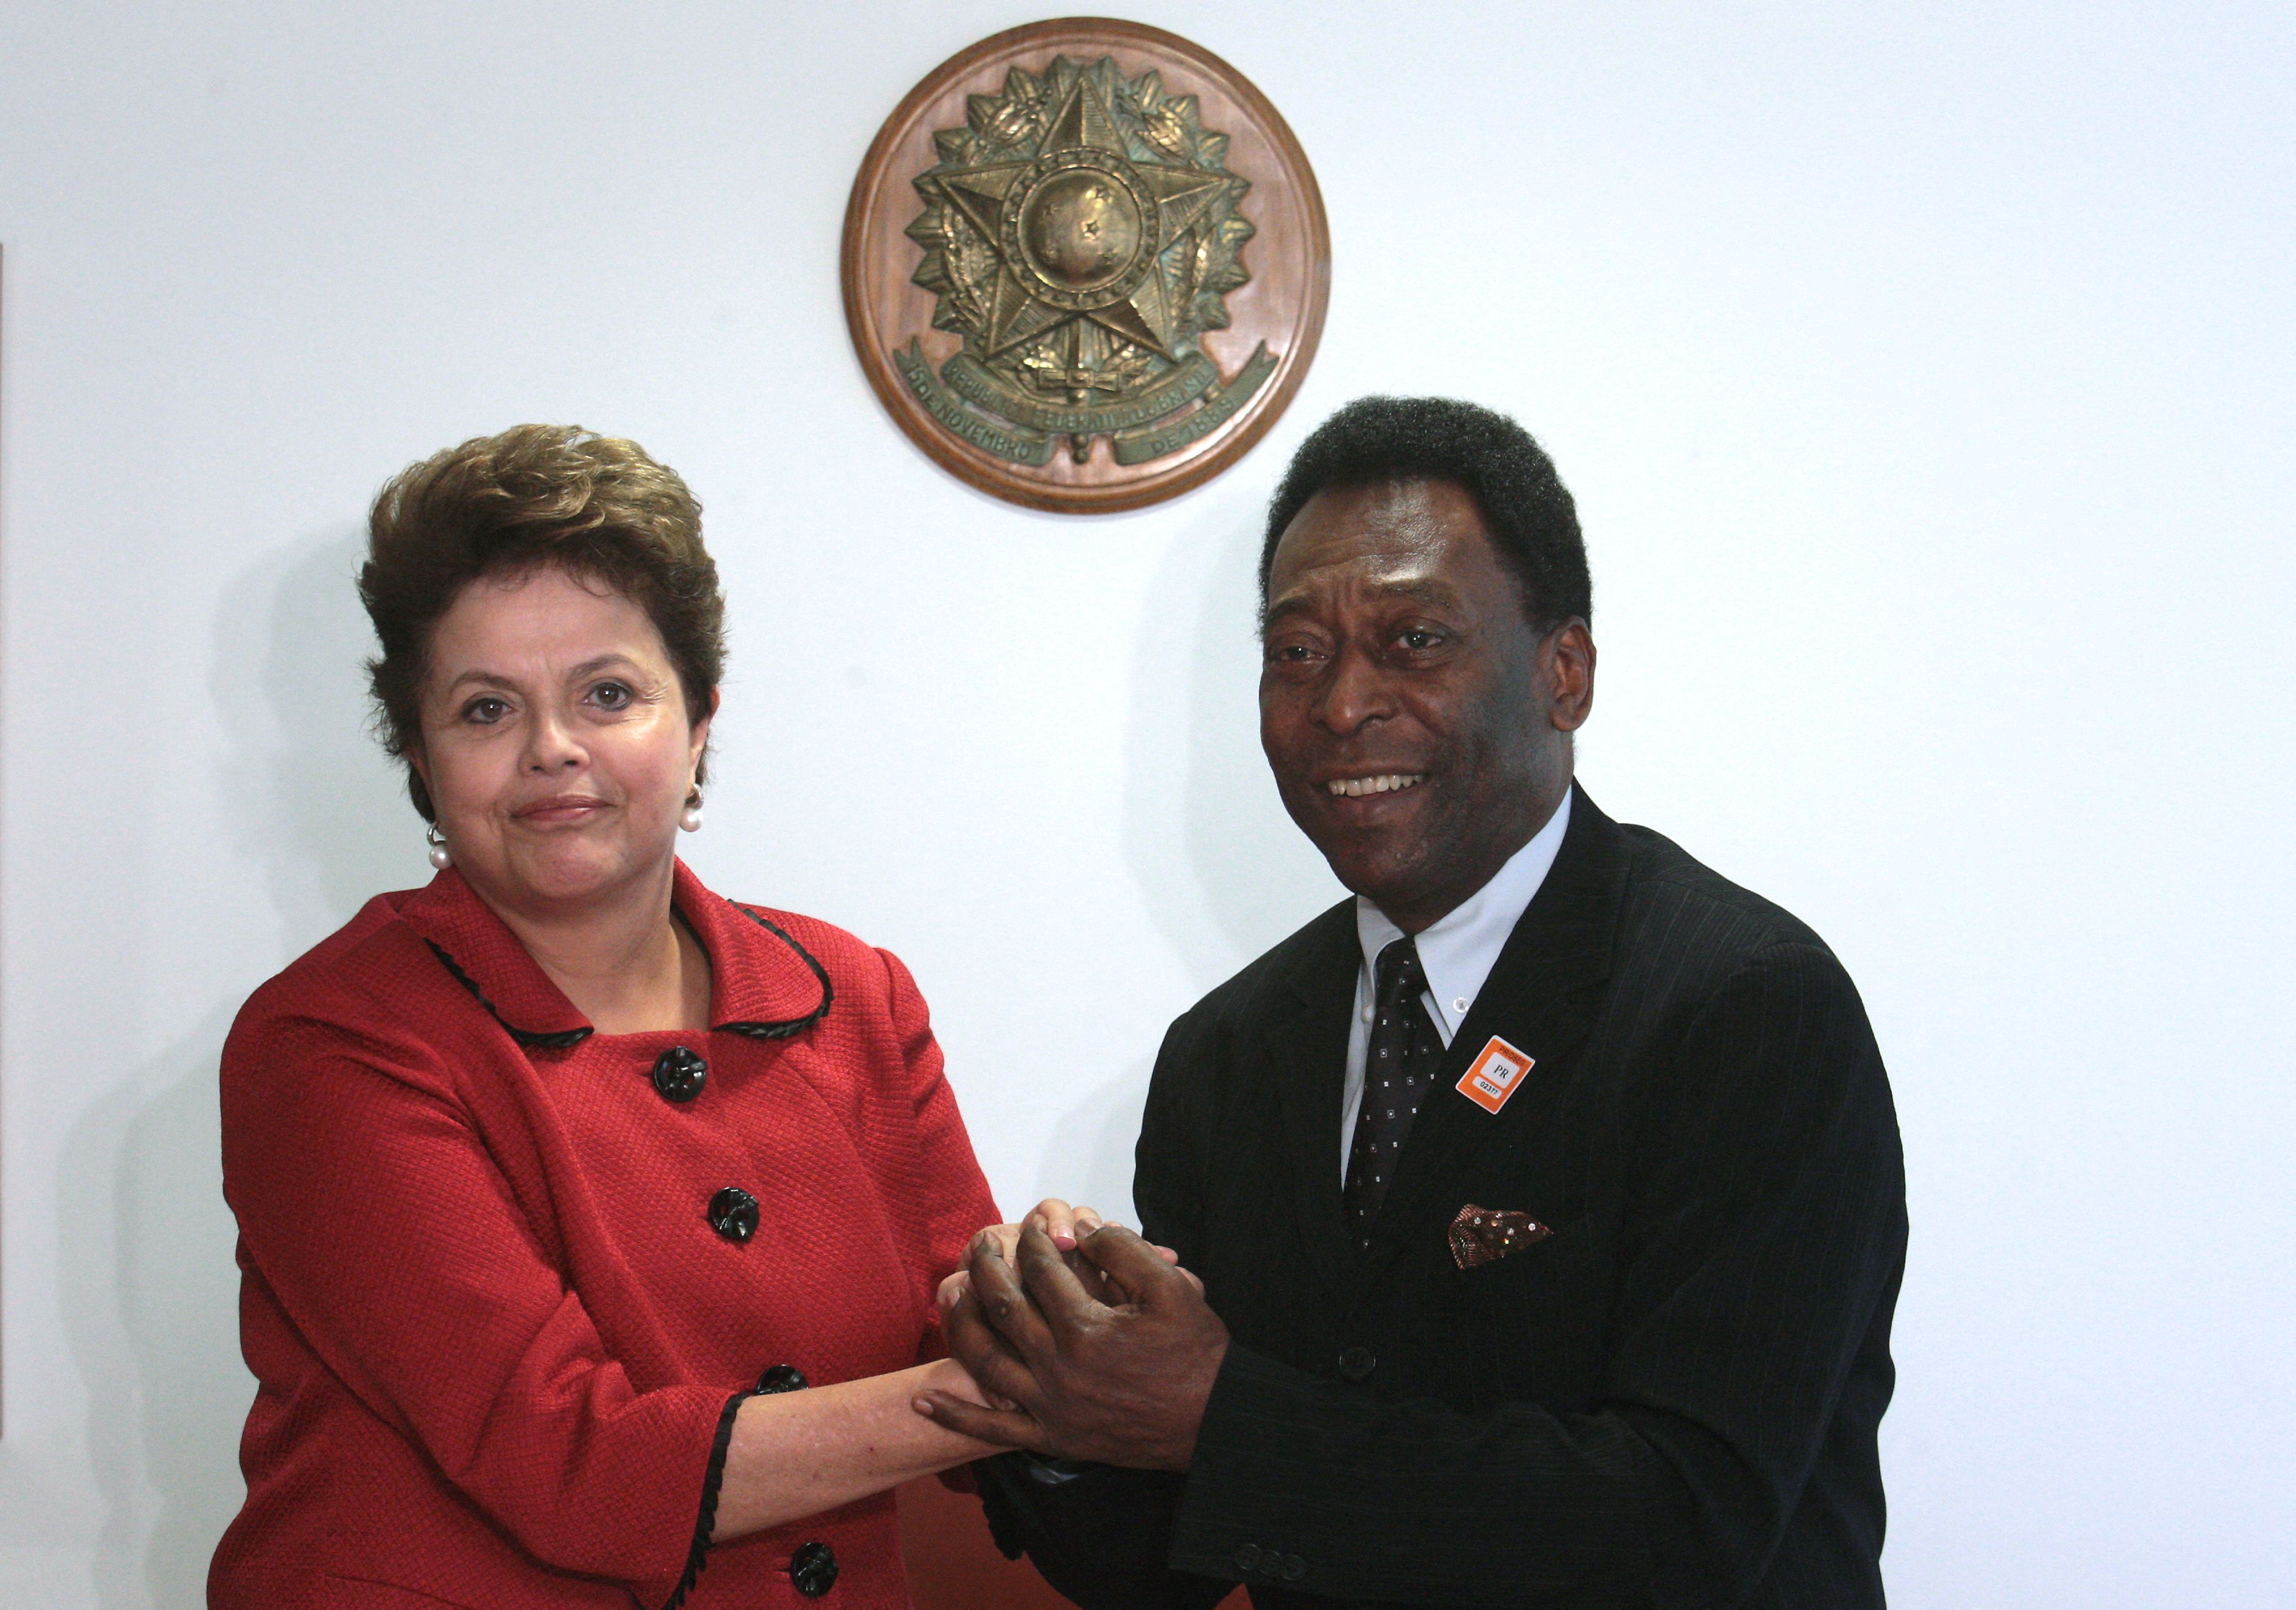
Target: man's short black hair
(1532, 520)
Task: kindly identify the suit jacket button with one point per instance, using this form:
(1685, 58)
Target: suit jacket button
(781, 1378)
(679, 1074)
(814, 1569)
(1247, 1559)
(734, 1213)
(1294, 1567)
(1357, 1363)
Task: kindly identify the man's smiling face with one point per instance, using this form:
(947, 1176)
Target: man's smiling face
(1417, 724)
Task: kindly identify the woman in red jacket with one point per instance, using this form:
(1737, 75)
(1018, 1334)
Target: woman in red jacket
(589, 1222)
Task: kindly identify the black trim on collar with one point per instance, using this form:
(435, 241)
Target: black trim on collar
(558, 1040)
(561, 1040)
(788, 1027)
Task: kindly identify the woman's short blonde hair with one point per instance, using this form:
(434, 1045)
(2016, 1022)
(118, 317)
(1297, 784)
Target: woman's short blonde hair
(535, 495)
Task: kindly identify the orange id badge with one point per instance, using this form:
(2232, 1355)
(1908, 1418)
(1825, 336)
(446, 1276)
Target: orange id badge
(1494, 1074)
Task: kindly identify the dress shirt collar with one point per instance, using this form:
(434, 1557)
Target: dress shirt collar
(1458, 951)
(759, 975)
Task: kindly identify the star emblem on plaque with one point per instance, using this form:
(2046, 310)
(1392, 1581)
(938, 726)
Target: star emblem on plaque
(1085, 264)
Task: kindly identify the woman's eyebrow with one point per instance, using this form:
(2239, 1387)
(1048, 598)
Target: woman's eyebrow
(592, 667)
(482, 677)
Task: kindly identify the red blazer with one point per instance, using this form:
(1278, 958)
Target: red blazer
(499, 1302)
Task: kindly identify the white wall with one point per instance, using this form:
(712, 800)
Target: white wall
(1925, 383)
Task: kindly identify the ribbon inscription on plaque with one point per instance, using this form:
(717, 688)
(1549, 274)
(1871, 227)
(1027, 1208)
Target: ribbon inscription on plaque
(1080, 232)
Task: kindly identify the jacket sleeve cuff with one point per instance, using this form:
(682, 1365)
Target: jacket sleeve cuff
(705, 1524)
(1222, 1528)
(1094, 1518)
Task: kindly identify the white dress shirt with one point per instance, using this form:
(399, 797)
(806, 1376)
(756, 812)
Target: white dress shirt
(1456, 952)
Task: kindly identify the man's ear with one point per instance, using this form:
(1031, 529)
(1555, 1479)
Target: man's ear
(1569, 653)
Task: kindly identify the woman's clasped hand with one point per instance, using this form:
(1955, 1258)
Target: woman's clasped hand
(1063, 1225)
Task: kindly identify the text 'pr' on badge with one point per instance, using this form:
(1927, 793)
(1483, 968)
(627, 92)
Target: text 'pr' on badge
(1494, 1074)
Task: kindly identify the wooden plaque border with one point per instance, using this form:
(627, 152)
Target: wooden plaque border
(864, 256)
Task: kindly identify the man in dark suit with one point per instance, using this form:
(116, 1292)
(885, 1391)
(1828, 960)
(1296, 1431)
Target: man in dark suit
(1546, 1197)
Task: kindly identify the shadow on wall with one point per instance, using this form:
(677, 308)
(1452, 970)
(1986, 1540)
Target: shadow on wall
(1224, 872)
(156, 1334)
(326, 815)
(153, 1315)
(1220, 868)
(1089, 1159)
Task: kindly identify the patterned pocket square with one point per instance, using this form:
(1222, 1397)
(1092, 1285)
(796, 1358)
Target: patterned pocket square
(1483, 1235)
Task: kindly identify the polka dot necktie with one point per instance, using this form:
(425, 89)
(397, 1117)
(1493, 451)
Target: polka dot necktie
(1403, 1052)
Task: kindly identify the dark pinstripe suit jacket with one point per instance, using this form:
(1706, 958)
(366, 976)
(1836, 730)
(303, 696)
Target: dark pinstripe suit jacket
(1672, 1401)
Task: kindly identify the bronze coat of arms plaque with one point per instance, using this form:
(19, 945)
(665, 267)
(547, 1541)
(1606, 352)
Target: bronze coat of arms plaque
(1085, 264)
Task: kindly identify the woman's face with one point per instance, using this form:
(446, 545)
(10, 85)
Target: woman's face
(555, 742)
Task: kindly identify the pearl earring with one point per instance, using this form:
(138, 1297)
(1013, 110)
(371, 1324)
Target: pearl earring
(441, 857)
(690, 819)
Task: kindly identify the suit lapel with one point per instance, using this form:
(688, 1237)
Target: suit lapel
(1305, 1034)
(1539, 998)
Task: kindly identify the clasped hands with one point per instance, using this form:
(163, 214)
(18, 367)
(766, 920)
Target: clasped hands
(1088, 1342)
